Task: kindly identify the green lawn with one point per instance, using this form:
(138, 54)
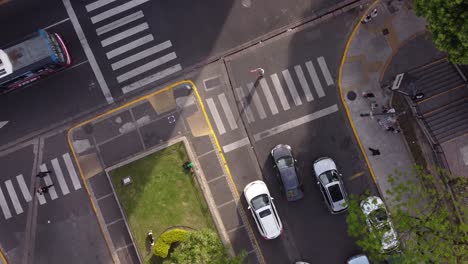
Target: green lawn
(161, 196)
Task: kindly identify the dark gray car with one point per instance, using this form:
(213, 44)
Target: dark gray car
(287, 175)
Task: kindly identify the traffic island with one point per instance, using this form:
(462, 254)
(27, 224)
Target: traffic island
(156, 193)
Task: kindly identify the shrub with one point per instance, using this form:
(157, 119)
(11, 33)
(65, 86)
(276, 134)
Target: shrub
(165, 240)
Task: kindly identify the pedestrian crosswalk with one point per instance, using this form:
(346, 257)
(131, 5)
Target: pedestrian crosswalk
(128, 44)
(15, 193)
(273, 94)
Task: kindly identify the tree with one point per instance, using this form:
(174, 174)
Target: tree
(423, 213)
(448, 22)
(204, 247)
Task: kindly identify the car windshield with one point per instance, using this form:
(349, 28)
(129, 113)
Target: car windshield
(329, 176)
(378, 216)
(335, 192)
(264, 213)
(285, 162)
(260, 201)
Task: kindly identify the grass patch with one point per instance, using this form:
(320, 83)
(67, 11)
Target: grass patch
(162, 195)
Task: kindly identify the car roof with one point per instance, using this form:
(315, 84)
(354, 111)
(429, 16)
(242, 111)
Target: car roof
(269, 223)
(289, 177)
(324, 164)
(281, 151)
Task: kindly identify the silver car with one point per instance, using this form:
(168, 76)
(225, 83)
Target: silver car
(331, 185)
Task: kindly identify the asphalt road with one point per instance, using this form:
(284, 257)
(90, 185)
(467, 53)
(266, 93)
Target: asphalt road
(314, 124)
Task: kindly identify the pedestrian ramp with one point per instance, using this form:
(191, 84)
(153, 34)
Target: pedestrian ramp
(16, 192)
(274, 93)
(135, 55)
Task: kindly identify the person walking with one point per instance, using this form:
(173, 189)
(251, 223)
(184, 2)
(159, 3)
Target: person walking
(44, 189)
(375, 152)
(42, 174)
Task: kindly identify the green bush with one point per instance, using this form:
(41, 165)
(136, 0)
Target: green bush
(165, 240)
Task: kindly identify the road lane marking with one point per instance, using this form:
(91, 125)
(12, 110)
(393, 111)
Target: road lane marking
(97, 4)
(14, 197)
(24, 188)
(141, 55)
(152, 78)
(60, 178)
(3, 123)
(129, 46)
(117, 10)
(124, 34)
(245, 107)
(146, 67)
(268, 96)
(89, 53)
(71, 171)
(48, 181)
(303, 82)
(280, 92)
(326, 73)
(119, 22)
(236, 144)
(256, 100)
(356, 175)
(296, 122)
(227, 111)
(57, 23)
(292, 88)
(315, 79)
(4, 205)
(216, 117)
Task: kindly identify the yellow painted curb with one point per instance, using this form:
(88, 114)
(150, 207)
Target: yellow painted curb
(348, 114)
(3, 257)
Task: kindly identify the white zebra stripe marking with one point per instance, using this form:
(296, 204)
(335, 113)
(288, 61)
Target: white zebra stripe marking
(119, 22)
(292, 88)
(116, 10)
(146, 67)
(227, 111)
(71, 171)
(48, 181)
(24, 188)
(256, 100)
(60, 178)
(14, 197)
(98, 4)
(124, 34)
(4, 205)
(141, 55)
(216, 117)
(245, 107)
(324, 68)
(152, 78)
(129, 46)
(303, 82)
(315, 79)
(269, 96)
(280, 92)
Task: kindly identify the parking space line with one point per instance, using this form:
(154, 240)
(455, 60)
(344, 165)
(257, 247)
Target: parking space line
(296, 122)
(104, 196)
(227, 111)
(235, 229)
(356, 175)
(292, 88)
(315, 80)
(116, 10)
(236, 144)
(119, 22)
(206, 153)
(124, 34)
(141, 55)
(325, 71)
(216, 117)
(226, 203)
(98, 4)
(215, 179)
(71, 171)
(115, 221)
(280, 92)
(129, 46)
(4, 205)
(48, 181)
(24, 188)
(60, 178)
(246, 108)
(256, 100)
(123, 247)
(14, 197)
(303, 82)
(268, 96)
(152, 78)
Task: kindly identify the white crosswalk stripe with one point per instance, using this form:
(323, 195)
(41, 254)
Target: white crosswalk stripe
(227, 111)
(216, 116)
(24, 188)
(59, 174)
(303, 82)
(269, 96)
(48, 181)
(71, 171)
(13, 197)
(324, 68)
(116, 10)
(292, 87)
(129, 46)
(98, 4)
(245, 106)
(256, 100)
(4, 205)
(124, 34)
(119, 23)
(315, 79)
(141, 55)
(279, 92)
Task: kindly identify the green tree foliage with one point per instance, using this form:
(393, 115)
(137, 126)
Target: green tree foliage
(204, 247)
(448, 22)
(424, 216)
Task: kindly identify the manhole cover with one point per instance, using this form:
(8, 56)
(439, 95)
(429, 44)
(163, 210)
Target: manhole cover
(351, 95)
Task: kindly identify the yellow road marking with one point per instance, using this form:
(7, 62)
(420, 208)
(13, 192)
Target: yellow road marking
(356, 175)
(348, 114)
(3, 257)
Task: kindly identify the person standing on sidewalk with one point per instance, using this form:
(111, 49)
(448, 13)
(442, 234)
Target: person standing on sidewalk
(260, 71)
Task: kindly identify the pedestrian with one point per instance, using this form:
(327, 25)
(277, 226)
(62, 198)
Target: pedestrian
(368, 95)
(44, 189)
(260, 71)
(367, 19)
(375, 152)
(374, 13)
(42, 174)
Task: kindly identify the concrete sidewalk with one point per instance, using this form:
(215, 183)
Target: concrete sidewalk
(370, 48)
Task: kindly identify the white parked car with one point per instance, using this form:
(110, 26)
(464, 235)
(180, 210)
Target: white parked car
(359, 259)
(331, 185)
(263, 209)
(378, 220)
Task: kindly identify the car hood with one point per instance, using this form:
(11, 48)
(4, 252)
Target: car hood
(280, 151)
(254, 189)
(322, 165)
(270, 225)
